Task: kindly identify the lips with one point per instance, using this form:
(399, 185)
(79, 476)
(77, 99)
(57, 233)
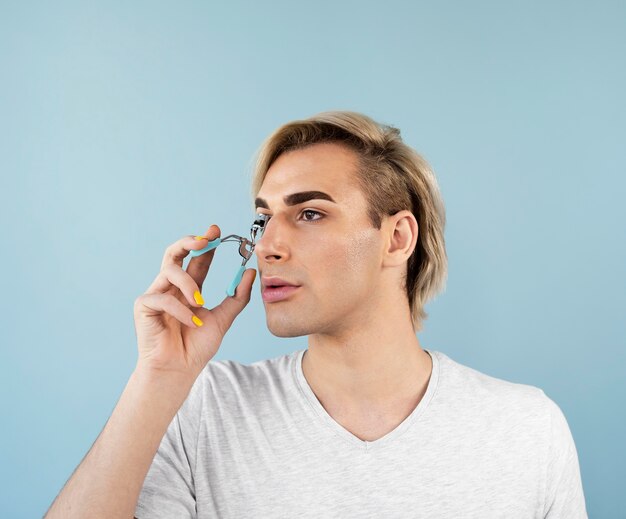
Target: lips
(276, 289)
(276, 282)
(273, 295)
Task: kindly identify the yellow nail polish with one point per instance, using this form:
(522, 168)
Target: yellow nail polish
(198, 238)
(197, 321)
(198, 297)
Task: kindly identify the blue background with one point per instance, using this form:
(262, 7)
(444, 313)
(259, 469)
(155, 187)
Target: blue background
(124, 127)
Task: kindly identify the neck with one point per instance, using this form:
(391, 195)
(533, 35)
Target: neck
(376, 362)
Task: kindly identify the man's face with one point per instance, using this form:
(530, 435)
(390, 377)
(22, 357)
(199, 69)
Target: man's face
(334, 253)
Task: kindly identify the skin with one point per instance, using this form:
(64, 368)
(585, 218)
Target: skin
(364, 362)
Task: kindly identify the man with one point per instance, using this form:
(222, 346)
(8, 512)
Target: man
(364, 422)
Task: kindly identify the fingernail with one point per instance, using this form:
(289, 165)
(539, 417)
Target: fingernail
(200, 238)
(197, 321)
(198, 297)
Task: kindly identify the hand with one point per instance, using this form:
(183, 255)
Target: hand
(169, 341)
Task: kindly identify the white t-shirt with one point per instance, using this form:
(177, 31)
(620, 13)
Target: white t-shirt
(254, 441)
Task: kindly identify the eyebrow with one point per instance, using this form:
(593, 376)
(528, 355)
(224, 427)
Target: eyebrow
(297, 198)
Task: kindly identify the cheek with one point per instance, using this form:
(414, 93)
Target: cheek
(362, 250)
(352, 261)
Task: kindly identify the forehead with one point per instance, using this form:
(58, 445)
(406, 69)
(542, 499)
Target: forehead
(327, 167)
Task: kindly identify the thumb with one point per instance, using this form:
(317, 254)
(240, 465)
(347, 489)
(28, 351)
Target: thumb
(231, 307)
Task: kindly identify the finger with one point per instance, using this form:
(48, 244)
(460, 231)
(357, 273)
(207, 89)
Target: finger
(173, 275)
(178, 251)
(230, 307)
(198, 266)
(157, 304)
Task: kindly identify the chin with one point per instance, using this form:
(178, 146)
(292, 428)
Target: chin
(282, 324)
(286, 329)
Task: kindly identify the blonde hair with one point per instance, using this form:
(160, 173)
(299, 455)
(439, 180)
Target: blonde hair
(393, 177)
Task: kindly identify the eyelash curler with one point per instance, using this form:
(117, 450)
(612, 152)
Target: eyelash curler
(246, 248)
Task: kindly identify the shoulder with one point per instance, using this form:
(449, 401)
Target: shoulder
(464, 387)
(237, 372)
(231, 379)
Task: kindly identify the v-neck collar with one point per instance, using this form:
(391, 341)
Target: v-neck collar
(342, 432)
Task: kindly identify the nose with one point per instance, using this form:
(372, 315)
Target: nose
(272, 246)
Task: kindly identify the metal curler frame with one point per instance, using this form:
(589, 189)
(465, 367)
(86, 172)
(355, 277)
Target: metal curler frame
(246, 248)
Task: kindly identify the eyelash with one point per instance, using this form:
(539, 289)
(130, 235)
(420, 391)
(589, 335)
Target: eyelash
(312, 211)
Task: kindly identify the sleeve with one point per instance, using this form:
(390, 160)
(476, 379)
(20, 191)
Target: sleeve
(168, 489)
(564, 490)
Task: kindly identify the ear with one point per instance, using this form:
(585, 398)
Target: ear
(402, 231)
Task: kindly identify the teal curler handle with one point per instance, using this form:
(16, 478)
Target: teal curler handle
(231, 289)
(212, 245)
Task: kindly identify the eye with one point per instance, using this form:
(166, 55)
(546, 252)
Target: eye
(314, 212)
